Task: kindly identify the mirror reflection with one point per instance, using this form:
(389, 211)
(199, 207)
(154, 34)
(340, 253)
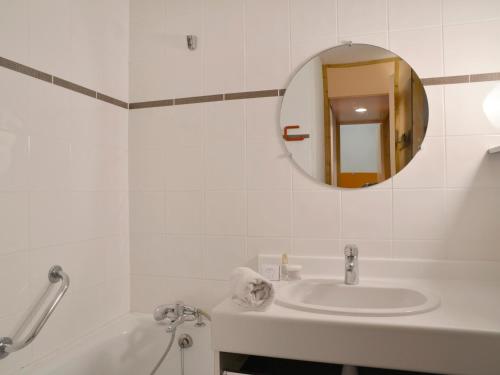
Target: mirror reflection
(354, 115)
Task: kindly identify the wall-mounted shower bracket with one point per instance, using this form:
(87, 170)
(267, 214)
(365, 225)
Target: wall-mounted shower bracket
(192, 42)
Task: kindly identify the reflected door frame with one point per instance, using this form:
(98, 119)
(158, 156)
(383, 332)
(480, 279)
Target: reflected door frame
(331, 135)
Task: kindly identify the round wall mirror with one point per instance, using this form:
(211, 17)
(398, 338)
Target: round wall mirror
(354, 115)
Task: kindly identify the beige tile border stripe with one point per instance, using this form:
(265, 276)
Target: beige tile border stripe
(26, 70)
(252, 94)
(23, 69)
(152, 104)
(467, 78)
(444, 80)
(74, 87)
(110, 100)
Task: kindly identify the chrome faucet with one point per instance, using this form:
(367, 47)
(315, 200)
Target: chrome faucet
(179, 313)
(351, 265)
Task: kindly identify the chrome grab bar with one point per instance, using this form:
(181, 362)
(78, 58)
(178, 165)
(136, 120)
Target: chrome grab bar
(7, 344)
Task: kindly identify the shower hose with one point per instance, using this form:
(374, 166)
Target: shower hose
(169, 346)
(164, 355)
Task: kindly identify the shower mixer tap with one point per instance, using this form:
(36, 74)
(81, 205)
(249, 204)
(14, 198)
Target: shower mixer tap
(179, 313)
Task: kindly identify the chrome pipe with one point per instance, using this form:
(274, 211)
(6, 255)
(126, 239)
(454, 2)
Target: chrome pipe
(7, 344)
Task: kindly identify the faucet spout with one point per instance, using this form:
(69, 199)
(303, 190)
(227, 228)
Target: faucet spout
(175, 323)
(351, 265)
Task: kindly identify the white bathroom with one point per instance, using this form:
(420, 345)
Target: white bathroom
(254, 187)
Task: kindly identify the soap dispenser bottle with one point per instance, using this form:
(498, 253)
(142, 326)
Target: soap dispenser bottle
(284, 267)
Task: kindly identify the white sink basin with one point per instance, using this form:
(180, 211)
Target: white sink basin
(371, 298)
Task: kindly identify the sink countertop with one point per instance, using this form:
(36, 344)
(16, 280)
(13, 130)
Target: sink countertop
(462, 336)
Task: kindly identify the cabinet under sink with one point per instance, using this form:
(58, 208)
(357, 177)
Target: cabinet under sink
(232, 363)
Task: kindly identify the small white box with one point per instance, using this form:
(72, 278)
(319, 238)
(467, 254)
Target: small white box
(270, 271)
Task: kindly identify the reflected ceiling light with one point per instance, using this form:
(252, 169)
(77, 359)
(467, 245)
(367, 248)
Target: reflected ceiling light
(360, 109)
(491, 106)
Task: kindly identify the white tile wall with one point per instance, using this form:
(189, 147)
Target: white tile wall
(309, 22)
(409, 14)
(269, 213)
(367, 214)
(83, 41)
(99, 44)
(50, 41)
(222, 255)
(225, 166)
(267, 245)
(225, 213)
(435, 99)
(421, 48)
(480, 56)
(473, 228)
(463, 11)
(268, 166)
(147, 211)
(183, 212)
(63, 167)
(14, 21)
(419, 214)
(316, 214)
(467, 116)
(184, 258)
(359, 17)
(318, 246)
(224, 68)
(185, 175)
(14, 219)
(251, 198)
(267, 41)
(312, 29)
(468, 164)
(423, 249)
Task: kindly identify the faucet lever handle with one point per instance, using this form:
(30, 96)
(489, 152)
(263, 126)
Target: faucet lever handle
(163, 312)
(351, 250)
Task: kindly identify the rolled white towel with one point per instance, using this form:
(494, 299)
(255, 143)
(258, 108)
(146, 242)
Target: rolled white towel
(250, 289)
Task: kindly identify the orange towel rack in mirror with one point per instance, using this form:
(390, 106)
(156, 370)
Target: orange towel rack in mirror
(293, 137)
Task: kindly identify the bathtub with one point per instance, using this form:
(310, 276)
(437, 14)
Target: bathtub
(130, 345)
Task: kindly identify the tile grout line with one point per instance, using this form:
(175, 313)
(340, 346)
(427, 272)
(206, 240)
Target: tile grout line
(245, 52)
(443, 60)
(443, 101)
(245, 174)
(289, 36)
(388, 38)
(204, 231)
(337, 21)
(391, 240)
